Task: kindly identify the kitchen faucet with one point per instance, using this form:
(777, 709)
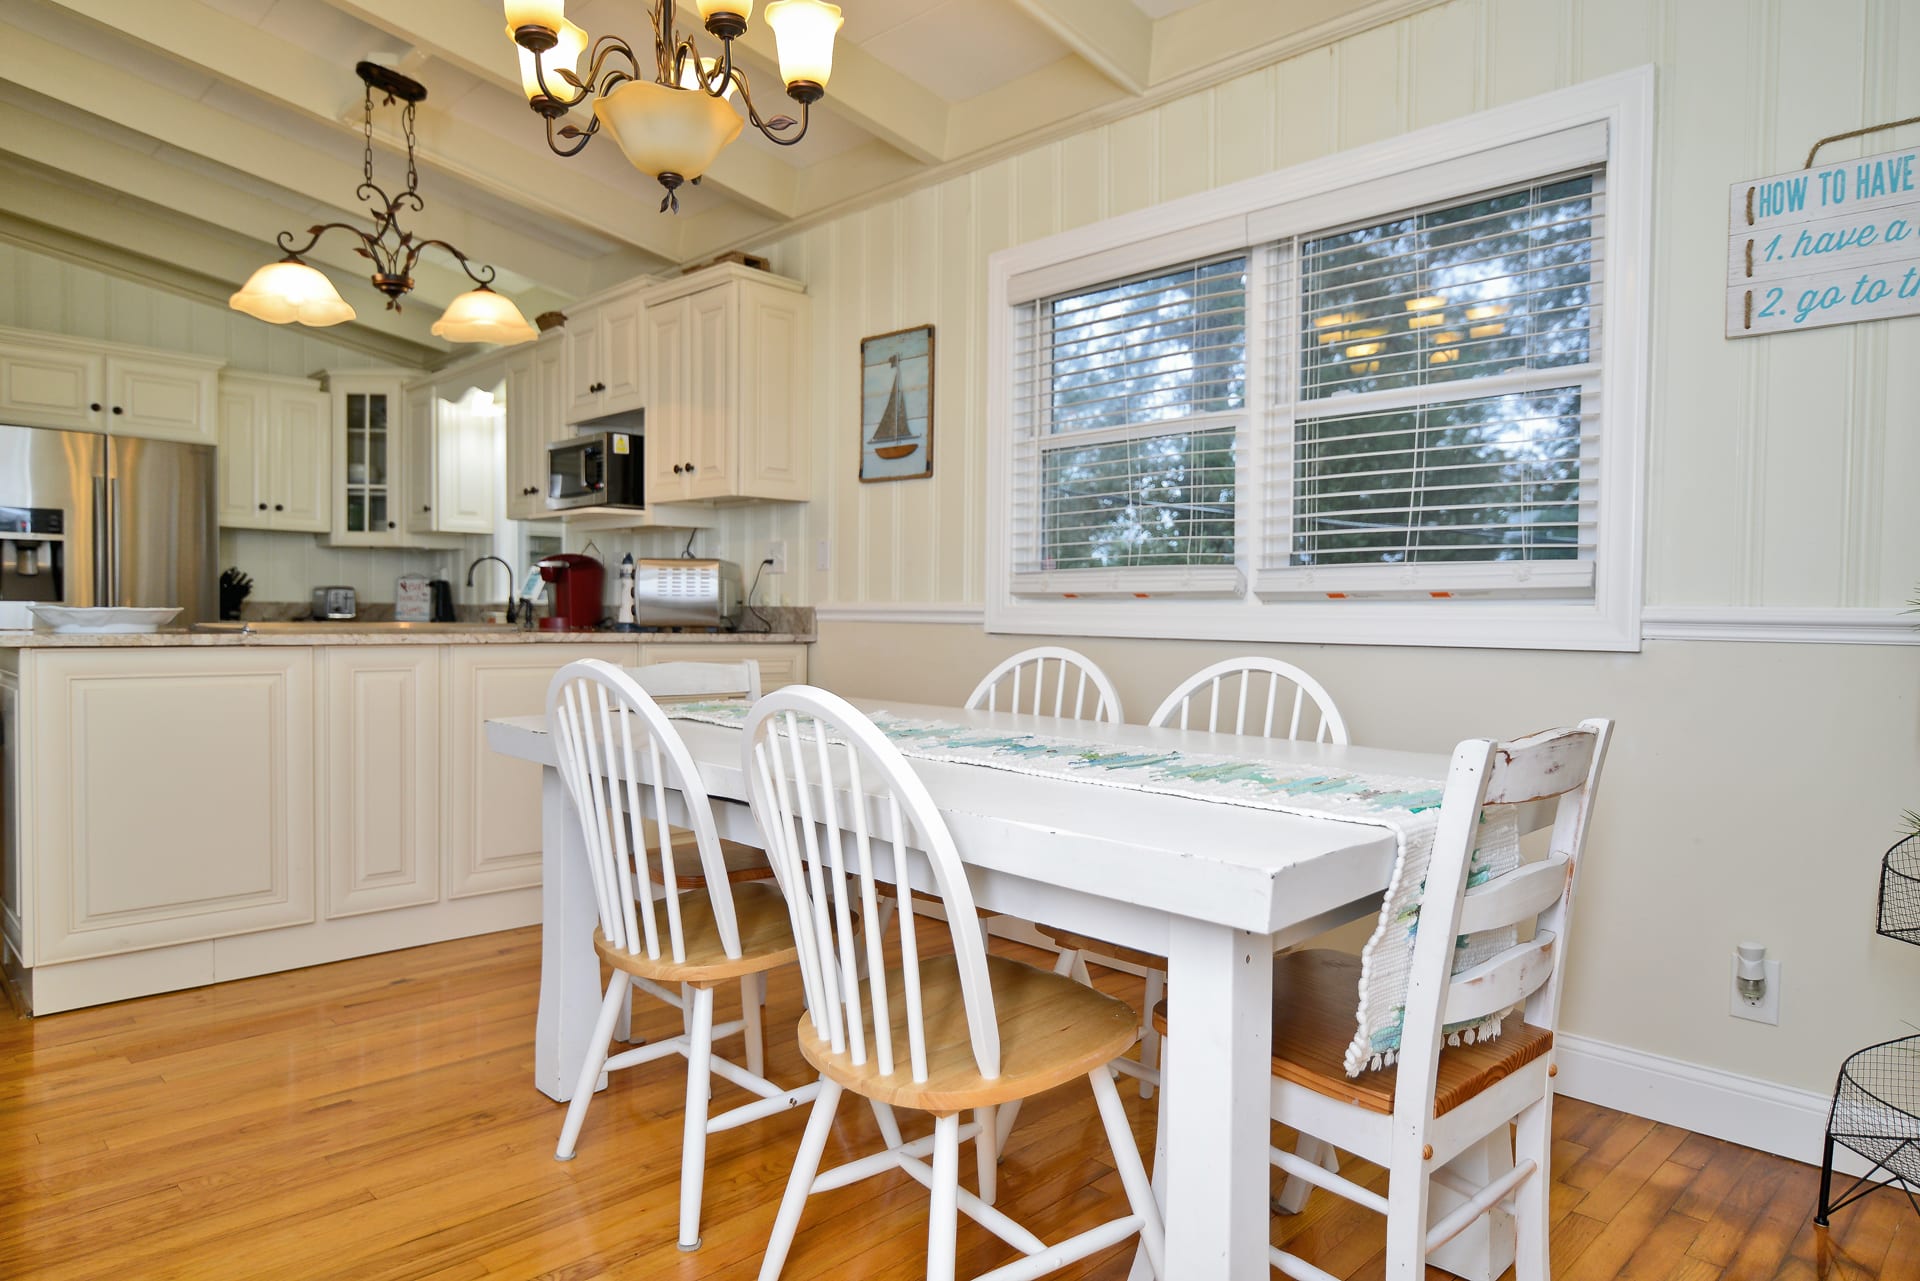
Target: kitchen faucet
(512, 579)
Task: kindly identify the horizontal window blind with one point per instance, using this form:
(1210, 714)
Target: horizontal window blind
(1439, 431)
(1127, 410)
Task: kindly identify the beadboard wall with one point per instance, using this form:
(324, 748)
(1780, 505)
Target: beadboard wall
(38, 291)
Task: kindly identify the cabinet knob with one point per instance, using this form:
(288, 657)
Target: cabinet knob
(677, 469)
(95, 406)
(426, 509)
(690, 469)
(279, 507)
(118, 410)
(389, 524)
(263, 506)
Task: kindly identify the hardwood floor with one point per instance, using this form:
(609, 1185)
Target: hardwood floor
(376, 1119)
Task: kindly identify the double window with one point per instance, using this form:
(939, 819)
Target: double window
(1349, 413)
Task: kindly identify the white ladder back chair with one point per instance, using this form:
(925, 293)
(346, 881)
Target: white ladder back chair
(699, 680)
(1049, 680)
(840, 807)
(625, 770)
(1441, 1100)
(1251, 695)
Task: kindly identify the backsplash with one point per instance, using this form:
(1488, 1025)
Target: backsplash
(287, 567)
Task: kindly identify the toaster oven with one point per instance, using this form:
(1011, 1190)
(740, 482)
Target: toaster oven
(596, 469)
(686, 593)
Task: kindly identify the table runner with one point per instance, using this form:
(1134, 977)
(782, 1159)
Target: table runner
(1408, 807)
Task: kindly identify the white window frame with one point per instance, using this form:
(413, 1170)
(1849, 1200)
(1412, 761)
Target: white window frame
(1456, 159)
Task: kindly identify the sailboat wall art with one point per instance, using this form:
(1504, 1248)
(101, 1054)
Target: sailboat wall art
(896, 405)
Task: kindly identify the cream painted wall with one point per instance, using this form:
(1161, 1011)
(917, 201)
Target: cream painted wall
(1753, 786)
(38, 291)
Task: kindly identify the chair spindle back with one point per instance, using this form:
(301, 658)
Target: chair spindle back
(1251, 695)
(1049, 680)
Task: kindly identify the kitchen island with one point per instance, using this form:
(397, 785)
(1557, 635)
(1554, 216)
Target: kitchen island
(185, 807)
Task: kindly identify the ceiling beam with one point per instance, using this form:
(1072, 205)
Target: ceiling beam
(46, 68)
(253, 60)
(446, 29)
(1116, 39)
(166, 254)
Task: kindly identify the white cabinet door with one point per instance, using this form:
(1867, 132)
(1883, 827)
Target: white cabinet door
(586, 372)
(162, 398)
(382, 762)
(369, 498)
(52, 387)
(668, 408)
(493, 801)
(175, 796)
(523, 431)
(244, 465)
(466, 471)
(421, 454)
(299, 460)
(16, 780)
(775, 394)
(622, 356)
(710, 444)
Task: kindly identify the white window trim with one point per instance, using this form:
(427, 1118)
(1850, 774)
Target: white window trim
(1155, 237)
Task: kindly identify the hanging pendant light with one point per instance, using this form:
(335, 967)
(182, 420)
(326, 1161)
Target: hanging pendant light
(673, 125)
(291, 292)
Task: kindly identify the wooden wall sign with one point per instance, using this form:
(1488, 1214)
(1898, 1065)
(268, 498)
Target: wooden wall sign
(1826, 246)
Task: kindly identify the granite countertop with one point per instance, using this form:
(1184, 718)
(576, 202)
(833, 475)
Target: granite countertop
(349, 633)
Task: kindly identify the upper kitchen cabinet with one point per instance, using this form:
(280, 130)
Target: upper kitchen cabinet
(47, 380)
(536, 417)
(367, 490)
(276, 454)
(452, 465)
(605, 361)
(729, 387)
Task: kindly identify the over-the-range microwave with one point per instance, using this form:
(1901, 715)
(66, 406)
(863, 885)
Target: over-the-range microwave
(597, 469)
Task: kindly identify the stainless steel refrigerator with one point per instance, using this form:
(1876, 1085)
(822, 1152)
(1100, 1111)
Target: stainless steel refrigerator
(87, 519)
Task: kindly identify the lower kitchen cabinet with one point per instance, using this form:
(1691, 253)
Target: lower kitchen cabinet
(381, 757)
(493, 801)
(174, 796)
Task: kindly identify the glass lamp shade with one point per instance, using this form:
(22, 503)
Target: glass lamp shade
(572, 43)
(289, 291)
(803, 32)
(690, 80)
(551, 14)
(481, 315)
(665, 130)
(741, 9)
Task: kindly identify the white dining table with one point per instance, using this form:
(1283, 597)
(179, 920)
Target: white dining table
(1216, 888)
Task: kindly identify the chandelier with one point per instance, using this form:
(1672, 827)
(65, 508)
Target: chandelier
(674, 120)
(290, 291)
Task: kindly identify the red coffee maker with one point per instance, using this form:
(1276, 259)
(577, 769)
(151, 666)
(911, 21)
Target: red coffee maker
(578, 582)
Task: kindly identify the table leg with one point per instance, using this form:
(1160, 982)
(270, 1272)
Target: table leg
(569, 970)
(1220, 1031)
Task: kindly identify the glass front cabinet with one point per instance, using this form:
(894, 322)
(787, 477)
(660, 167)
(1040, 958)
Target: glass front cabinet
(367, 450)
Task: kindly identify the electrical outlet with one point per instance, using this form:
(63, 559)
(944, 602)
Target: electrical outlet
(822, 556)
(777, 553)
(1764, 1009)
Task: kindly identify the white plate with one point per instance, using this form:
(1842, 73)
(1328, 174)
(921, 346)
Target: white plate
(112, 620)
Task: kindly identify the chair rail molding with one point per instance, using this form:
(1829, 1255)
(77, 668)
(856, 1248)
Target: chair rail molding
(956, 612)
(1857, 625)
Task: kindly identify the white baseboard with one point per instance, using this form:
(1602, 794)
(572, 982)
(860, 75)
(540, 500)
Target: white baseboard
(1723, 1105)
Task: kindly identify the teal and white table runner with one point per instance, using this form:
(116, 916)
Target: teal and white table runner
(1408, 807)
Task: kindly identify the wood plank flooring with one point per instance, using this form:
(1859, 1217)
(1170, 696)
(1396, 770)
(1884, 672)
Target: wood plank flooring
(376, 1119)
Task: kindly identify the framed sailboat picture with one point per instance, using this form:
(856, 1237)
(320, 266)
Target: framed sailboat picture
(896, 405)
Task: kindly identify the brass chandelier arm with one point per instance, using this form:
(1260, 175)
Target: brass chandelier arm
(598, 79)
(413, 256)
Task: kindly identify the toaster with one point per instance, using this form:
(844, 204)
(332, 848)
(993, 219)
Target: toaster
(686, 593)
(334, 602)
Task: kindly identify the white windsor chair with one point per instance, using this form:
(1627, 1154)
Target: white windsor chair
(619, 756)
(1042, 680)
(838, 804)
(1440, 1100)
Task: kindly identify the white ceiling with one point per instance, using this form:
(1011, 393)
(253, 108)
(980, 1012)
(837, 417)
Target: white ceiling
(218, 123)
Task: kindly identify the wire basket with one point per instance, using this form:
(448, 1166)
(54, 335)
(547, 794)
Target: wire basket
(1900, 891)
(1876, 1113)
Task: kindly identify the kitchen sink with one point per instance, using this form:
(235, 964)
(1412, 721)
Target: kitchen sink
(307, 625)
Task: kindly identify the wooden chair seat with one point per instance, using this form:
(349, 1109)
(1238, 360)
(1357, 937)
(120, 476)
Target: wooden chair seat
(744, 862)
(1052, 1031)
(1068, 941)
(1314, 993)
(766, 939)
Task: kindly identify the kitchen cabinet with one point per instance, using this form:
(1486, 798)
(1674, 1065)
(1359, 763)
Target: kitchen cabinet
(380, 757)
(779, 664)
(729, 387)
(536, 417)
(276, 454)
(606, 359)
(47, 380)
(176, 802)
(451, 467)
(367, 463)
(492, 801)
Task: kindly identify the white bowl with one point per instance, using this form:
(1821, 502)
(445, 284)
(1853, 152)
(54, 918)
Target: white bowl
(112, 620)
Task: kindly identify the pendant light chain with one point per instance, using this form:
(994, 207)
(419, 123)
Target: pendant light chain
(366, 161)
(406, 125)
